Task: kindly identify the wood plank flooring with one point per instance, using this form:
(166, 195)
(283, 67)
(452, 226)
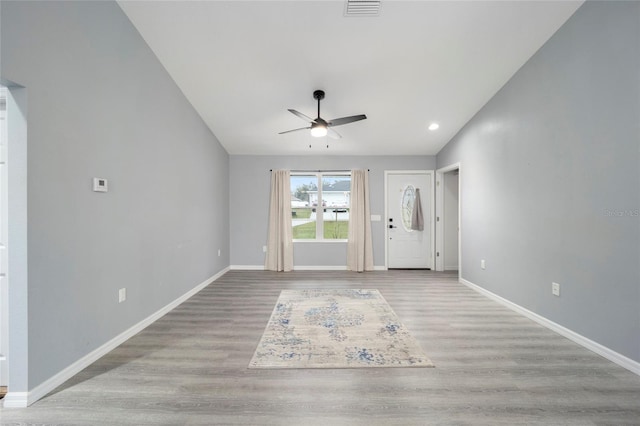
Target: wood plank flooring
(493, 367)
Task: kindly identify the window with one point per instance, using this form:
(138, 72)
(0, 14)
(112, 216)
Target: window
(320, 206)
(408, 200)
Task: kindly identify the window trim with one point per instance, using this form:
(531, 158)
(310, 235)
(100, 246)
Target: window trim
(320, 222)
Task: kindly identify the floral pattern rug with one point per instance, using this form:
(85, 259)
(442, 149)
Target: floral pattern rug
(336, 329)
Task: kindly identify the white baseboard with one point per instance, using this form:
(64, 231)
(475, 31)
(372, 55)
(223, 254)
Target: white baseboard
(247, 267)
(299, 268)
(24, 399)
(320, 268)
(331, 268)
(601, 350)
(15, 400)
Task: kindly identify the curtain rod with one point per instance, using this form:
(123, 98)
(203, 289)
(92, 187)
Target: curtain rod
(318, 171)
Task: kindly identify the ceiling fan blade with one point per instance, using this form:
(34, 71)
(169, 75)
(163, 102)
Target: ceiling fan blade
(333, 134)
(301, 115)
(345, 120)
(294, 130)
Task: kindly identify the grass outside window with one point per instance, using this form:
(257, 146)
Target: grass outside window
(302, 213)
(332, 231)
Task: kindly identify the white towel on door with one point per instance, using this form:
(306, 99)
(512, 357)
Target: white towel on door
(417, 220)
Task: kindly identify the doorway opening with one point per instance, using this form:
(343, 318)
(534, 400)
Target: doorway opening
(448, 229)
(13, 245)
(4, 227)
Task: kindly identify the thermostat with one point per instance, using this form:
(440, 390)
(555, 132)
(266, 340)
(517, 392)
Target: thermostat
(100, 185)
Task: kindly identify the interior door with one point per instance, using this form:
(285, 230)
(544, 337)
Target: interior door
(408, 248)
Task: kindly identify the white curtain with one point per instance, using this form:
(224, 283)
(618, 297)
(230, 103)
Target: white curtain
(280, 240)
(359, 246)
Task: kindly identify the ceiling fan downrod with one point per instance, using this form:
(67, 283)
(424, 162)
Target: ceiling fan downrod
(319, 95)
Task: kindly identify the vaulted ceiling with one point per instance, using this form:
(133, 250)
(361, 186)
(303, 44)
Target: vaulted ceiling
(242, 64)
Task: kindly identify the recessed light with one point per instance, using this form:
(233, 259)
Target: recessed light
(434, 126)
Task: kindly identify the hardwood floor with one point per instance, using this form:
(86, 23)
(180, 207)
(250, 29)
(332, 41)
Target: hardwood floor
(492, 366)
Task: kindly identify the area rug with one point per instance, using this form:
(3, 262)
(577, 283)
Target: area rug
(336, 329)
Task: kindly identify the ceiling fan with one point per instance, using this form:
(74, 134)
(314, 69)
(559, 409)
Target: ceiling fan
(321, 127)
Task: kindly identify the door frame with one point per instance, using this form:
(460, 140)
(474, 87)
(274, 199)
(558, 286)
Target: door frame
(16, 314)
(431, 211)
(440, 218)
(4, 228)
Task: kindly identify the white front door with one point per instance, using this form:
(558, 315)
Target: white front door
(408, 248)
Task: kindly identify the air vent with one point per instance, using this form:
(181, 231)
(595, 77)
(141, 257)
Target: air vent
(362, 8)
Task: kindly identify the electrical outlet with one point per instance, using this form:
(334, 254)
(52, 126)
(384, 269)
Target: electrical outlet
(264, 249)
(218, 252)
(122, 295)
(555, 289)
(483, 264)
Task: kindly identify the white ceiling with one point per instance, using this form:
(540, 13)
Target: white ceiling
(242, 64)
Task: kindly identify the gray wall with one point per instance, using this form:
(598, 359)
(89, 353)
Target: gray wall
(551, 180)
(249, 203)
(100, 104)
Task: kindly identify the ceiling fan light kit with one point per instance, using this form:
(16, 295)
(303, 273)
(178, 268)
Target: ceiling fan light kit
(318, 130)
(320, 127)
